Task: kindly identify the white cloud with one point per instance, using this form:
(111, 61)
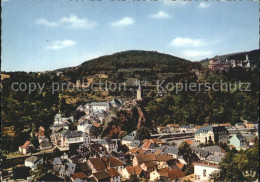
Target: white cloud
(186, 42)
(196, 54)
(60, 44)
(43, 21)
(204, 5)
(123, 22)
(75, 22)
(161, 14)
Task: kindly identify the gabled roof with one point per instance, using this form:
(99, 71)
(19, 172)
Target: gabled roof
(134, 170)
(172, 174)
(114, 162)
(79, 175)
(163, 158)
(26, 144)
(240, 137)
(128, 138)
(145, 158)
(213, 148)
(101, 175)
(214, 158)
(98, 164)
(113, 172)
(32, 159)
(150, 164)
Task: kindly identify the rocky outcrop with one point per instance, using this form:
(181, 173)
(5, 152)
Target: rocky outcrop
(129, 117)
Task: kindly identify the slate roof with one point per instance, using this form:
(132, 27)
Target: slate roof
(45, 144)
(241, 138)
(217, 129)
(32, 159)
(213, 148)
(214, 158)
(128, 138)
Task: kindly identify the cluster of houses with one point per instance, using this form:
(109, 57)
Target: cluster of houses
(79, 155)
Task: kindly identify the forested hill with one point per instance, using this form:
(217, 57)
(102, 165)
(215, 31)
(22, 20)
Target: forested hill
(132, 62)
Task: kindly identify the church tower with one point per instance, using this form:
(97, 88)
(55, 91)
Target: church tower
(139, 93)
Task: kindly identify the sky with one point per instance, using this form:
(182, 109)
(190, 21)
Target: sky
(47, 35)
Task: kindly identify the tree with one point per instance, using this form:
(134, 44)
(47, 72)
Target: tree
(21, 172)
(143, 133)
(239, 166)
(38, 172)
(185, 151)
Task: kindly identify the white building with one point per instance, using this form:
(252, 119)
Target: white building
(71, 137)
(32, 162)
(210, 133)
(202, 171)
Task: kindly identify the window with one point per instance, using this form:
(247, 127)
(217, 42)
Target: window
(204, 172)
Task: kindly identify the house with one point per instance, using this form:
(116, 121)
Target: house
(216, 150)
(109, 144)
(163, 129)
(101, 176)
(201, 153)
(239, 125)
(166, 174)
(27, 147)
(114, 175)
(141, 158)
(238, 141)
(187, 128)
(202, 171)
(214, 134)
(148, 144)
(250, 125)
(130, 141)
(112, 162)
(132, 170)
(67, 170)
(80, 176)
(96, 165)
(213, 159)
(87, 127)
(170, 150)
(226, 125)
(100, 107)
(174, 128)
(71, 137)
(32, 162)
(44, 145)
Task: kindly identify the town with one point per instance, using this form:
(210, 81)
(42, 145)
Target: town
(74, 150)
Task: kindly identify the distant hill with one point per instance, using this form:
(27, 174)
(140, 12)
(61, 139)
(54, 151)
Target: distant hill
(132, 63)
(253, 57)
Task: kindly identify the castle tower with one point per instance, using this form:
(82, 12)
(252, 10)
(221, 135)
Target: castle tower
(139, 93)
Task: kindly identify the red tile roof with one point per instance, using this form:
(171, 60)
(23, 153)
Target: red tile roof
(172, 174)
(114, 162)
(134, 170)
(180, 165)
(79, 175)
(25, 145)
(98, 164)
(113, 172)
(145, 157)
